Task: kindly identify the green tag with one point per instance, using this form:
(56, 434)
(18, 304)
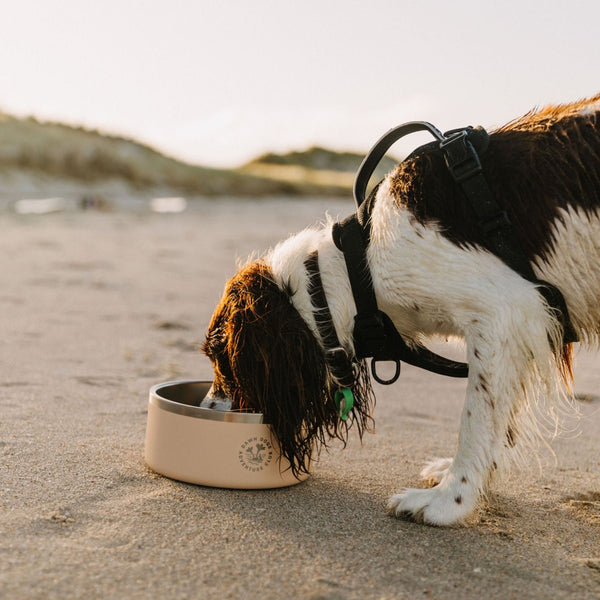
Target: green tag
(344, 400)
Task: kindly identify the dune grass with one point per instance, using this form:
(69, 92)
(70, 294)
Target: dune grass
(62, 151)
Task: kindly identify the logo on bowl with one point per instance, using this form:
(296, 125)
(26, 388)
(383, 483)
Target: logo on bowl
(255, 453)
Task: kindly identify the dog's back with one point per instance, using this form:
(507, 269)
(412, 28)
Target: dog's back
(544, 171)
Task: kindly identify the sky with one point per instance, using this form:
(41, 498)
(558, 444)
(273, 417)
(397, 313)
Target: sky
(219, 82)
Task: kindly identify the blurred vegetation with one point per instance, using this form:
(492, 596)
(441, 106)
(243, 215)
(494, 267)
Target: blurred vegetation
(316, 166)
(323, 159)
(62, 151)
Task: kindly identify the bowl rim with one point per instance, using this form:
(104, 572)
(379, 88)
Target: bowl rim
(197, 412)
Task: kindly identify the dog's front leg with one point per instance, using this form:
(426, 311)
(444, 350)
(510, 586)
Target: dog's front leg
(494, 392)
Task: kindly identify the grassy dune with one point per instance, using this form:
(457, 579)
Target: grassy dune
(317, 167)
(55, 150)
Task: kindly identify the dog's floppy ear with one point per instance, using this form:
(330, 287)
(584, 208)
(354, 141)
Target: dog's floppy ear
(278, 366)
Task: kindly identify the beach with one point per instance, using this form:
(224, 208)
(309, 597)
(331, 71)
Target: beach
(96, 307)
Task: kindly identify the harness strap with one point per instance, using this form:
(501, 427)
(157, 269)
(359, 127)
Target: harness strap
(374, 333)
(465, 167)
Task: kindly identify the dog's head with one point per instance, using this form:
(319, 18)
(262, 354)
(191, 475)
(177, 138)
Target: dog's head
(266, 359)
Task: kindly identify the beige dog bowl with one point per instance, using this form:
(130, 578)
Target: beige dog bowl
(210, 447)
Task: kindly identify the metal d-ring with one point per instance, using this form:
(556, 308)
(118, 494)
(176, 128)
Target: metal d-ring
(379, 379)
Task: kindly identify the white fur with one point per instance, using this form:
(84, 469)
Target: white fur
(574, 265)
(429, 286)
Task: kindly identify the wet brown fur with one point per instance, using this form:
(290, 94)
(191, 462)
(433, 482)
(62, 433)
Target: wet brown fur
(267, 360)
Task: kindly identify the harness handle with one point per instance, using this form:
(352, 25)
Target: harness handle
(377, 152)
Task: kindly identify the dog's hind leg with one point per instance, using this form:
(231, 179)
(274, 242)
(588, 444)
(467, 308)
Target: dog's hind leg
(505, 347)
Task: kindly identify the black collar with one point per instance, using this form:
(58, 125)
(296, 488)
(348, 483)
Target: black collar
(339, 363)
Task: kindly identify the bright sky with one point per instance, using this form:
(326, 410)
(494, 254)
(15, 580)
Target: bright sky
(217, 82)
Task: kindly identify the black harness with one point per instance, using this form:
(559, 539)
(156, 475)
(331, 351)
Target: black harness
(374, 334)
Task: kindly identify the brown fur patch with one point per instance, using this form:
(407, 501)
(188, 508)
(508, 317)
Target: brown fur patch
(534, 166)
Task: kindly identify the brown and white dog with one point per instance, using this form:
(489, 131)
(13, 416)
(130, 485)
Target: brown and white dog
(433, 274)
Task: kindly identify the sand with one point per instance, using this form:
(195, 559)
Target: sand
(96, 308)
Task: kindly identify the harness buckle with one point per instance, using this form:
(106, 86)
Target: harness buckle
(460, 156)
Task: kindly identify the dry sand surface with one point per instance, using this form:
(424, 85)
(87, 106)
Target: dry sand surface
(96, 308)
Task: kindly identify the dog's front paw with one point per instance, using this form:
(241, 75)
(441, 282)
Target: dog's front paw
(435, 506)
(436, 470)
